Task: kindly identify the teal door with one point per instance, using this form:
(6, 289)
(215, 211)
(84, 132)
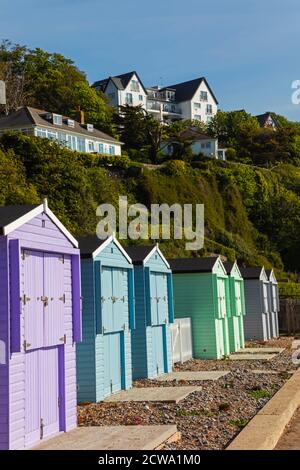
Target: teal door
(159, 298)
(158, 350)
(112, 363)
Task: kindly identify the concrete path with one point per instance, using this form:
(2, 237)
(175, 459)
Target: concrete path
(251, 357)
(112, 438)
(151, 394)
(261, 351)
(192, 376)
(290, 440)
(296, 344)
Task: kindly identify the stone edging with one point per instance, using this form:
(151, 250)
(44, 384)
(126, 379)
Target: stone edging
(265, 429)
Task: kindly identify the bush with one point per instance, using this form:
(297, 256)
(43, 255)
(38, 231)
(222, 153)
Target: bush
(175, 168)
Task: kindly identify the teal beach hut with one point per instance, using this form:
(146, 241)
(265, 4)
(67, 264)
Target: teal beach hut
(151, 339)
(236, 306)
(104, 356)
(200, 293)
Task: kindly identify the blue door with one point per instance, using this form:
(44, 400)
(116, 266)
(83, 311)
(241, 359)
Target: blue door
(107, 299)
(112, 363)
(162, 297)
(158, 350)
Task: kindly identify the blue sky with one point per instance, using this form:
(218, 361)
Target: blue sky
(249, 51)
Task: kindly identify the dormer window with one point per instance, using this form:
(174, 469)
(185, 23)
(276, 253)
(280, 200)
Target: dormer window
(71, 123)
(90, 127)
(57, 119)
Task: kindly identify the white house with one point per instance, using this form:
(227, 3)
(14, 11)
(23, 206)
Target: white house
(192, 100)
(72, 134)
(201, 144)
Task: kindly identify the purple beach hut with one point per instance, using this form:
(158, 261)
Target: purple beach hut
(40, 322)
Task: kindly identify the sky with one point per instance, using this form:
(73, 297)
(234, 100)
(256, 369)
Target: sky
(247, 50)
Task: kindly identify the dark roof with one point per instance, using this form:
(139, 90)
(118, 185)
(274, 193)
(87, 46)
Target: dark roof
(120, 81)
(138, 253)
(228, 266)
(88, 245)
(262, 119)
(196, 265)
(185, 91)
(195, 134)
(9, 214)
(27, 116)
(251, 273)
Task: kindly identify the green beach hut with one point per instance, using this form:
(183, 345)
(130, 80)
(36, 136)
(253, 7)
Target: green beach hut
(199, 286)
(235, 306)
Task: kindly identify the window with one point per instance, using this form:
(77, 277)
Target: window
(52, 135)
(41, 132)
(62, 138)
(81, 144)
(197, 117)
(203, 95)
(71, 123)
(128, 99)
(57, 119)
(112, 96)
(134, 85)
(197, 105)
(91, 146)
(209, 109)
(101, 148)
(74, 143)
(111, 150)
(208, 145)
(141, 98)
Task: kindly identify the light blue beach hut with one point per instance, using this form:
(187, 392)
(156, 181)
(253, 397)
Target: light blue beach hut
(151, 339)
(104, 356)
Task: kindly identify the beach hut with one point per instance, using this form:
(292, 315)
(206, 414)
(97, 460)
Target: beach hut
(104, 356)
(235, 306)
(200, 293)
(257, 318)
(273, 303)
(151, 339)
(40, 322)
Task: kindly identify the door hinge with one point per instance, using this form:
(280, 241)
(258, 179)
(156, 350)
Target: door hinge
(26, 345)
(24, 299)
(63, 298)
(23, 254)
(63, 339)
(62, 258)
(124, 327)
(42, 429)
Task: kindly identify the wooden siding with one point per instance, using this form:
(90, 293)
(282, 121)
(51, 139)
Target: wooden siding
(194, 297)
(86, 362)
(48, 238)
(142, 337)
(253, 320)
(90, 353)
(4, 339)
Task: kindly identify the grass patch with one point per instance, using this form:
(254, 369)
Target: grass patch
(187, 413)
(257, 394)
(224, 406)
(239, 423)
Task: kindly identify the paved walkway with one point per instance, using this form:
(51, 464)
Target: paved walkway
(112, 438)
(153, 394)
(290, 440)
(193, 376)
(251, 357)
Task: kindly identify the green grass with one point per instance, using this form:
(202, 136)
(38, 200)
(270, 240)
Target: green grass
(240, 422)
(257, 394)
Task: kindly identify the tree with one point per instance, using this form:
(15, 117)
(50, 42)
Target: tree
(52, 82)
(131, 123)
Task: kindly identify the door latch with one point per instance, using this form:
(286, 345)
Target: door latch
(45, 300)
(26, 345)
(63, 339)
(42, 429)
(63, 298)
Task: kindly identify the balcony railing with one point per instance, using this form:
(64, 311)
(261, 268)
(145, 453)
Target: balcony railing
(153, 105)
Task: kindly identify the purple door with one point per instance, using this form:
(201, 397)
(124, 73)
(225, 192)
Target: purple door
(41, 395)
(33, 291)
(54, 324)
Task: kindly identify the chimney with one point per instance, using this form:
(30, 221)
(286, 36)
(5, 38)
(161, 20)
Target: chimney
(80, 114)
